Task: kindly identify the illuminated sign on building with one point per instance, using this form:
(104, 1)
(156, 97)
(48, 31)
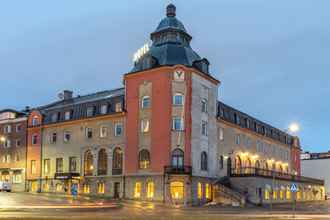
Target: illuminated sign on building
(140, 52)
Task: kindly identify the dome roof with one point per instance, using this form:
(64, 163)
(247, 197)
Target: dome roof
(170, 46)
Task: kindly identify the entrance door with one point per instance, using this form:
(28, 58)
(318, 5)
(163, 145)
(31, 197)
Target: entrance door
(228, 166)
(116, 190)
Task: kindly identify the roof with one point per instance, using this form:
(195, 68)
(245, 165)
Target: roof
(84, 99)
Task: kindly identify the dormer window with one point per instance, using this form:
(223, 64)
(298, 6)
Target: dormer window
(104, 109)
(119, 107)
(54, 117)
(90, 111)
(67, 115)
(35, 121)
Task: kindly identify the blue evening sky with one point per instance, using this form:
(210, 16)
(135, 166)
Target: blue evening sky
(272, 57)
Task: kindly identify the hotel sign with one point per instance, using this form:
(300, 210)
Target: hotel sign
(141, 52)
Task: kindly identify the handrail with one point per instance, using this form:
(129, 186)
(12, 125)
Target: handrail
(259, 172)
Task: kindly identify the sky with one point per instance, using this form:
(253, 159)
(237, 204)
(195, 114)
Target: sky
(272, 57)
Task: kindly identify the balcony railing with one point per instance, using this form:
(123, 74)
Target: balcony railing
(181, 170)
(116, 171)
(258, 172)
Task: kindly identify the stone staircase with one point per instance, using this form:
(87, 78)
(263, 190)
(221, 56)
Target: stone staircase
(224, 194)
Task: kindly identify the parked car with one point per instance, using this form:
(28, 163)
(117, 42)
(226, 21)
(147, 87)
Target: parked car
(5, 186)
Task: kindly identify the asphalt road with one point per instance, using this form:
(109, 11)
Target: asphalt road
(41, 206)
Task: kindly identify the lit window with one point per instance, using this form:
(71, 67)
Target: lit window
(59, 187)
(177, 190)
(145, 102)
(118, 107)
(46, 166)
(178, 99)
(204, 105)
(33, 167)
(274, 194)
(104, 109)
(208, 191)
(178, 124)
(67, 115)
(89, 133)
(288, 193)
(100, 188)
(281, 194)
(199, 191)
(103, 131)
(144, 125)
(118, 129)
(144, 159)
(90, 111)
(204, 128)
(137, 190)
(66, 136)
(267, 194)
(35, 139)
(86, 188)
(45, 187)
(53, 138)
(150, 190)
(221, 131)
(88, 163)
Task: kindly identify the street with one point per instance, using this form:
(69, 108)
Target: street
(43, 206)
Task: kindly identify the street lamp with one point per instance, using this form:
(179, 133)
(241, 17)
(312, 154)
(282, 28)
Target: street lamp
(2, 139)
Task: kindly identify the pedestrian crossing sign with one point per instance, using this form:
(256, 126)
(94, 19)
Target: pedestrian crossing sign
(293, 188)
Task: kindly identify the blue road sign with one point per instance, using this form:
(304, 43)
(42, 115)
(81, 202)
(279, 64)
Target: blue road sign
(293, 188)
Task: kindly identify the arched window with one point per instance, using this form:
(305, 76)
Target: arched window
(144, 159)
(257, 164)
(88, 163)
(203, 160)
(238, 164)
(248, 168)
(102, 163)
(117, 161)
(145, 102)
(177, 158)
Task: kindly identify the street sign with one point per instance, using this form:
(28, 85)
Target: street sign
(293, 188)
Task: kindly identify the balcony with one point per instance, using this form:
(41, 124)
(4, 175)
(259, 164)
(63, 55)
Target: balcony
(258, 172)
(178, 170)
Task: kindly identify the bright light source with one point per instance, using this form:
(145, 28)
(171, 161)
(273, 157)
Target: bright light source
(2, 139)
(294, 127)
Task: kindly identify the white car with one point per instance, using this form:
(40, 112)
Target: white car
(5, 186)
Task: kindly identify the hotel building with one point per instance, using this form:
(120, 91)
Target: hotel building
(164, 136)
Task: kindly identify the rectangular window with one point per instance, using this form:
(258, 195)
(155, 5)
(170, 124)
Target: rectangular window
(7, 143)
(100, 188)
(18, 128)
(145, 102)
(118, 107)
(221, 131)
(208, 191)
(199, 191)
(137, 190)
(17, 177)
(67, 115)
(204, 105)
(104, 109)
(204, 128)
(55, 117)
(47, 166)
(90, 111)
(178, 99)
(59, 165)
(150, 190)
(177, 124)
(89, 133)
(66, 136)
(18, 143)
(33, 167)
(118, 129)
(267, 194)
(53, 138)
(86, 188)
(35, 139)
(7, 129)
(103, 131)
(72, 164)
(144, 125)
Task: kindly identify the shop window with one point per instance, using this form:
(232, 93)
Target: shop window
(267, 194)
(17, 176)
(177, 190)
(150, 190)
(45, 187)
(274, 194)
(288, 193)
(86, 188)
(144, 159)
(208, 191)
(34, 186)
(100, 188)
(281, 194)
(59, 187)
(137, 190)
(199, 191)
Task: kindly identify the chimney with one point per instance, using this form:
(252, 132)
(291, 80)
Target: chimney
(67, 94)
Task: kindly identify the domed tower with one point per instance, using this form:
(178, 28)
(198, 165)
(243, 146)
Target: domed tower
(170, 46)
(170, 98)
